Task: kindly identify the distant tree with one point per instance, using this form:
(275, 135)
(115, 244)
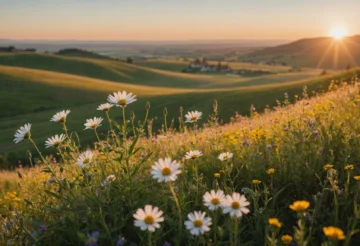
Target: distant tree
(204, 61)
(218, 67)
(30, 50)
(11, 49)
(323, 72)
(129, 60)
(197, 61)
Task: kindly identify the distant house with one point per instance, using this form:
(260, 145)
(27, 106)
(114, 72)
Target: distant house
(203, 66)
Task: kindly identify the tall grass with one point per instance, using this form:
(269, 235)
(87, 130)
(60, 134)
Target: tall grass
(305, 152)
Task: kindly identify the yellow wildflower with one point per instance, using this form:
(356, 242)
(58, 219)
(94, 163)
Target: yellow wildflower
(217, 175)
(286, 239)
(256, 181)
(357, 178)
(299, 206)
(270, 171)
(349, 167)
(334, 233)
(327, 167)
(274, 222)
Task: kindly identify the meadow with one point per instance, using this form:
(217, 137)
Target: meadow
(290, 175)
(55, 82)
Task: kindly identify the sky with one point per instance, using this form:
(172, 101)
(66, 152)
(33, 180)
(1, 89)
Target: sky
(175, 19)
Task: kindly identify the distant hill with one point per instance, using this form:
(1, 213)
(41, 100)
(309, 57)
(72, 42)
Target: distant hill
(323, 52)
(81, 53)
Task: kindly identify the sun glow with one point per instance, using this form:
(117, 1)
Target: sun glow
(338, 32)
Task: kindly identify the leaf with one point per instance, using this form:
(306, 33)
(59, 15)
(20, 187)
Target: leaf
(28, 202)
(53, 194)
(19, 174)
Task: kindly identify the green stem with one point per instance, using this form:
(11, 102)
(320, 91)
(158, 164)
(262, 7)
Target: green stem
(124, 130)
(215, 227)
(97, 136)
(65, 130)
(61, 154)
(37, 149)
(149, 238)
(179, 210)
(113, 134)
(236, 230)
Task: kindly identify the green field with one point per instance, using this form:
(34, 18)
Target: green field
(35, 86)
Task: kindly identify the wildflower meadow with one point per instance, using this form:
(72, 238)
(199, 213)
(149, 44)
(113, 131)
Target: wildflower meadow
(286, 176)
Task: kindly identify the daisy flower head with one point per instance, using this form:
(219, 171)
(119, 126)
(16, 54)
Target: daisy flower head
(299, 206)
(121, 99)
(213, 200)
(109, 179)
(225, 156)
(165, 170)
(198, 224)
(235, 205)
(104, 107)
(85, 159)
(193, 154)
(23, 133)
(60, 116)
(193, 116)
(55, 141)
(149, 218)
(93, 123)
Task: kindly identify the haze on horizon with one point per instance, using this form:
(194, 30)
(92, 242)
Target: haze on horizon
(174, 20)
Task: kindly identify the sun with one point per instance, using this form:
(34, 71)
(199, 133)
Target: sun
(338, 32)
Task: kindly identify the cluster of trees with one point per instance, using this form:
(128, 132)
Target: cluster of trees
(13, 49)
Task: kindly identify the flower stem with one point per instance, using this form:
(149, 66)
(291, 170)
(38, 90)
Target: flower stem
(97, 136)
(149, 238)
(124, 130)
(179, 209)
(215, 227)
(236, 225)
(37, 149)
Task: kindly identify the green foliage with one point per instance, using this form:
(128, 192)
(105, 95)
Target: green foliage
(303, 151)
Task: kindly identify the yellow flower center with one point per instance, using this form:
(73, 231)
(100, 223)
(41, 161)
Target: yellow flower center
(27, 135)
(122, 102)
(166, 171)
(62, 119)
(86, 160)
(215, 201)
(193, 118)
(106, 109)
(149, 219)
(94, 125)
(56, 144)
(235, 205)
(225, 157)
(194, 156)
(198, 223)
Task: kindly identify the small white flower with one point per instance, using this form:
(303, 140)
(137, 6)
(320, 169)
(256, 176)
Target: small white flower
(55, 141)
(197, 223)
(225, 156)
(93, 123)
(235, 205)
(149, 218)
(109, 179)
(193, 116)
(105, 107)
(22, 133)
(165, 170)
(60, 116)
(193, 154)
(213, 200)
(85, 158)
(121, 99)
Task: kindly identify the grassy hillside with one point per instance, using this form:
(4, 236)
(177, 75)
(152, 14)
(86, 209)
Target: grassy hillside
(35, 95)
(81, 53)
(316, 52)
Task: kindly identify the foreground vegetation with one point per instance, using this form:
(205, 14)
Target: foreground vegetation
(296, 168)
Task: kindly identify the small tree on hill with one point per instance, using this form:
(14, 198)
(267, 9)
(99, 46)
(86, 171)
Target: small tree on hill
(129, 60)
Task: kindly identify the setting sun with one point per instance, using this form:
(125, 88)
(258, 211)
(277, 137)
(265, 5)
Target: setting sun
(338, 32)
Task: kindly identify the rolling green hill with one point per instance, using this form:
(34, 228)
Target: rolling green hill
(321, 52)
(31, 95)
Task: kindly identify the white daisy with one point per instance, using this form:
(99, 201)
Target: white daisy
(193, 116)
(85, 158)
(165, 170)
(60, 116)
(55, 141)
(121, 99)
(197, 223)
(225, 156)
(22, 133)
(213, 200)
(105, 107)
(193, 154)
(109, 179)
(235, 205)
(93, 123)
(149, 218)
